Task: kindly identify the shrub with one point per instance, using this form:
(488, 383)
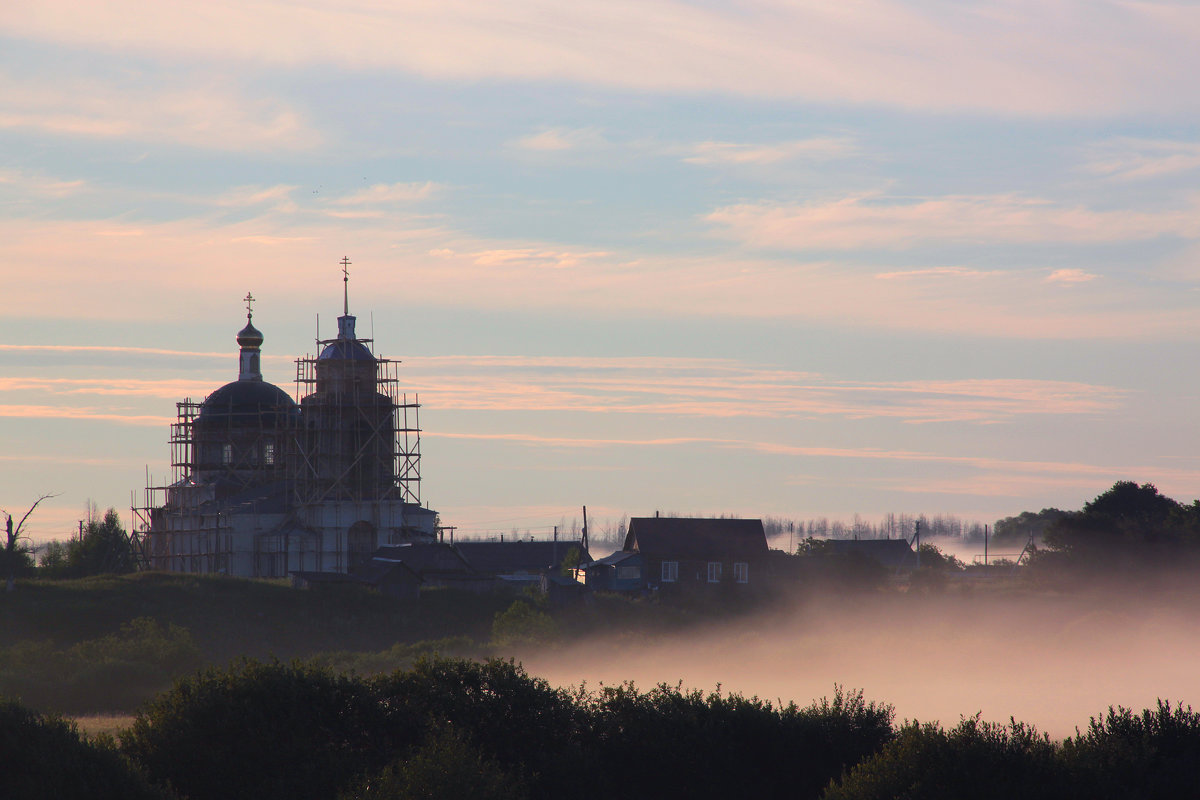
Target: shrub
(673, 743)
(447, 766)
(44, 756)
(976, 759)
(262, 730)
(529, 728)
(521, 623)
(1148, 755)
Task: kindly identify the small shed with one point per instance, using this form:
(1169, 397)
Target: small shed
(619, 572)
(894, 554)
(435, 565)
(519, 560)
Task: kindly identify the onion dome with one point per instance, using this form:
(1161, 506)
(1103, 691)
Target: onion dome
(249, 336)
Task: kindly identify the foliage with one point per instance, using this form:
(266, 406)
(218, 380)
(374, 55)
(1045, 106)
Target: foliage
(263, 730)
(1015, 531)
(528, 727)
(522, 624)
(571, 561)
(668, 742)
(1127, 527)
(103, 548)
(399, 656)
(976, 759)
(17, 560)
(104, 674)
(44, 756)
(446, 766)
(1148, 755)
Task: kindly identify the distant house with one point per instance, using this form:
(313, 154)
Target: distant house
(894, 554)
(391, 579)
(519, 563)
(685, 554)
(619, 572)
(434, 564)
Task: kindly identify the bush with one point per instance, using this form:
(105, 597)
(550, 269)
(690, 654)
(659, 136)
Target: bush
(447, 766)
(44, 756)
(522, 624)
(263, 730)
(109, 673)
(976, 759)
(1148, 755)
(529, 728)
(673, 743)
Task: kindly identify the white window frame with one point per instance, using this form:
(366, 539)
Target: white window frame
(741, 572)
(226, 454)
(714, 572)
(670, 571)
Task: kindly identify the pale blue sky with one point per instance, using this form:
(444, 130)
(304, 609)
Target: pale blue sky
(761, 258)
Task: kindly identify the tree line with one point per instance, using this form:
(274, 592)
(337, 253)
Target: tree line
(488, 730)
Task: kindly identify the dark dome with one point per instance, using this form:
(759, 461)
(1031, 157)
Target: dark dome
(346, 350)
(249, 336)
(248, 401)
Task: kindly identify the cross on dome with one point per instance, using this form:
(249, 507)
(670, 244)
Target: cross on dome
(345, 262)
(249, 301)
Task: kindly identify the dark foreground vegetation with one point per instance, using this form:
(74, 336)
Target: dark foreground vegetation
(457, 729)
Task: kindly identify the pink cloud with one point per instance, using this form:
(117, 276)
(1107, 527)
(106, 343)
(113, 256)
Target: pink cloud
(894, 223)
(1076, 57)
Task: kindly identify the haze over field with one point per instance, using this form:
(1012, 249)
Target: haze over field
(1053, 661)
(755, 258)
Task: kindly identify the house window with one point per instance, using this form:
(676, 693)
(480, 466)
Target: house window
(629, 573)
(269, 453)
(714, 572)
(741, 572)
(227, 454)
(670, 571)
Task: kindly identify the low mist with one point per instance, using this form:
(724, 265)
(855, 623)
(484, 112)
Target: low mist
(1047, 658)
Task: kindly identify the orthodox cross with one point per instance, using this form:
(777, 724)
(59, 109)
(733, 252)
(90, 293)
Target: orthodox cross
(345, 262)
(249, 301)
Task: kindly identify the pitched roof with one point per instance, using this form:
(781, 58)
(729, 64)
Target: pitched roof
(891, 553)
(498, 558)
(613, 559)
(687, 537)
(423, 558)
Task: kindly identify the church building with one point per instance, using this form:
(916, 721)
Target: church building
(264, 486)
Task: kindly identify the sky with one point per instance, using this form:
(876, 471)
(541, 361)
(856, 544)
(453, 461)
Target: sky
(765, 258)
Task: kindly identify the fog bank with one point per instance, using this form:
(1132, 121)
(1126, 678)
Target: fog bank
(1052, 660)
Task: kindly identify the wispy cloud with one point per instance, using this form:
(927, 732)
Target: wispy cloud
(40, 185)
(81, 413)
(899, 223)
(1128, 158)
(935, 272)
(650, 386)
(729, 389)
(388, 193)
(1070, 276)
(552, 140)
(206, 117)
(727, 153)
(278, 197)
(1076, 57)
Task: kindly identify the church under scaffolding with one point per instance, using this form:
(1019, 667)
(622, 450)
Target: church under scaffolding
(262, 486)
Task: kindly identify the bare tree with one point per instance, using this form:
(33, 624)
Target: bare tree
(14, 538)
